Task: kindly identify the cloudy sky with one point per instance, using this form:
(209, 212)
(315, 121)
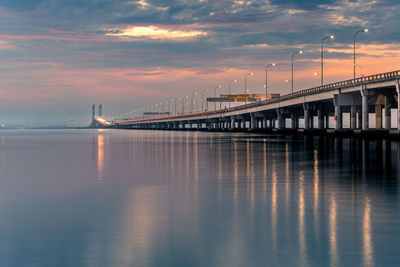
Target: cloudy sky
(57, 57)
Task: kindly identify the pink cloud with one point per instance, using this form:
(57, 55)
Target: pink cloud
(69, 37)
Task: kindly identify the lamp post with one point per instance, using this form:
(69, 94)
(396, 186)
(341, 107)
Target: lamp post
(295, 53)
(354, 50)
(202, 100)
(174, 101)
(322, 57)
(183, 103)
(167, 103)
(170, 103)
(229, 89)
(266, 78)
(195, 93)
(361, 70)
(245, 82)
(215, 94)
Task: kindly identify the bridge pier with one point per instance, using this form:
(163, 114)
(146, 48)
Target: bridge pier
(378, 116)
(388, 119)
(398, 104)
(294, 120)
(353, 117)
(279, 113)
(365, 115)
(306, 118)
(253, 121)
(327, 120)
(265, 122)
(320, 117)
(233, 126)
(338, 117)
(311, 119)
(359, 117)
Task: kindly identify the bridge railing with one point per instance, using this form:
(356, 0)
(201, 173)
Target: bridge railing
(388, 76)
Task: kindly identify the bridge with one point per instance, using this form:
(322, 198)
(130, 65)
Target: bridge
(316, 106)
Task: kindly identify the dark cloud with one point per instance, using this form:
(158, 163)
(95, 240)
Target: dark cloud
(305, 4)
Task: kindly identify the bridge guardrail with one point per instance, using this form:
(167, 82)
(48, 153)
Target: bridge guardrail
(388, 76)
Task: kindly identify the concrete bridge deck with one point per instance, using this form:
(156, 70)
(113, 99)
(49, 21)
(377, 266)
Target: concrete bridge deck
(359, 97)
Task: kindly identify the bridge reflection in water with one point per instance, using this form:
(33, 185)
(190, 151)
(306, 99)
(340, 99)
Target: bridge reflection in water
(200, 199)
(302, 201)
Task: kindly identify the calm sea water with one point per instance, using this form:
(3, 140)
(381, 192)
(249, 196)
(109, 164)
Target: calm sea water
(152, 198)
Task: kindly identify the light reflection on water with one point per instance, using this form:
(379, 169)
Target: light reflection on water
(148, 198)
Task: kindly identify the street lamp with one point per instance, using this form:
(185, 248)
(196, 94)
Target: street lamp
(169, 107)
(322, 57)
(295, 53)
(183, 103)
(245, 81)
(266, 78)
(229, 89)
(354, 51)
(195, 93)
(202, 100)
(170, 102)
(215, 94)
(229, 86)
(361, 70)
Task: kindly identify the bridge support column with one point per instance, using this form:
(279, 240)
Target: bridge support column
(280, 126)
(327, 121)
(265, 122)
(353, 117)
(359, 117)
(338, 117)
(253, 122)
(306, 118)
(320, 117)
(294, 120)
(280, 118)
(311, 119)
(388, 119)
(365, 115)
(398, 104)
(378, 116)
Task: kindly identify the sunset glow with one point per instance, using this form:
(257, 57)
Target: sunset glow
(132, 54)
(153, 32)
